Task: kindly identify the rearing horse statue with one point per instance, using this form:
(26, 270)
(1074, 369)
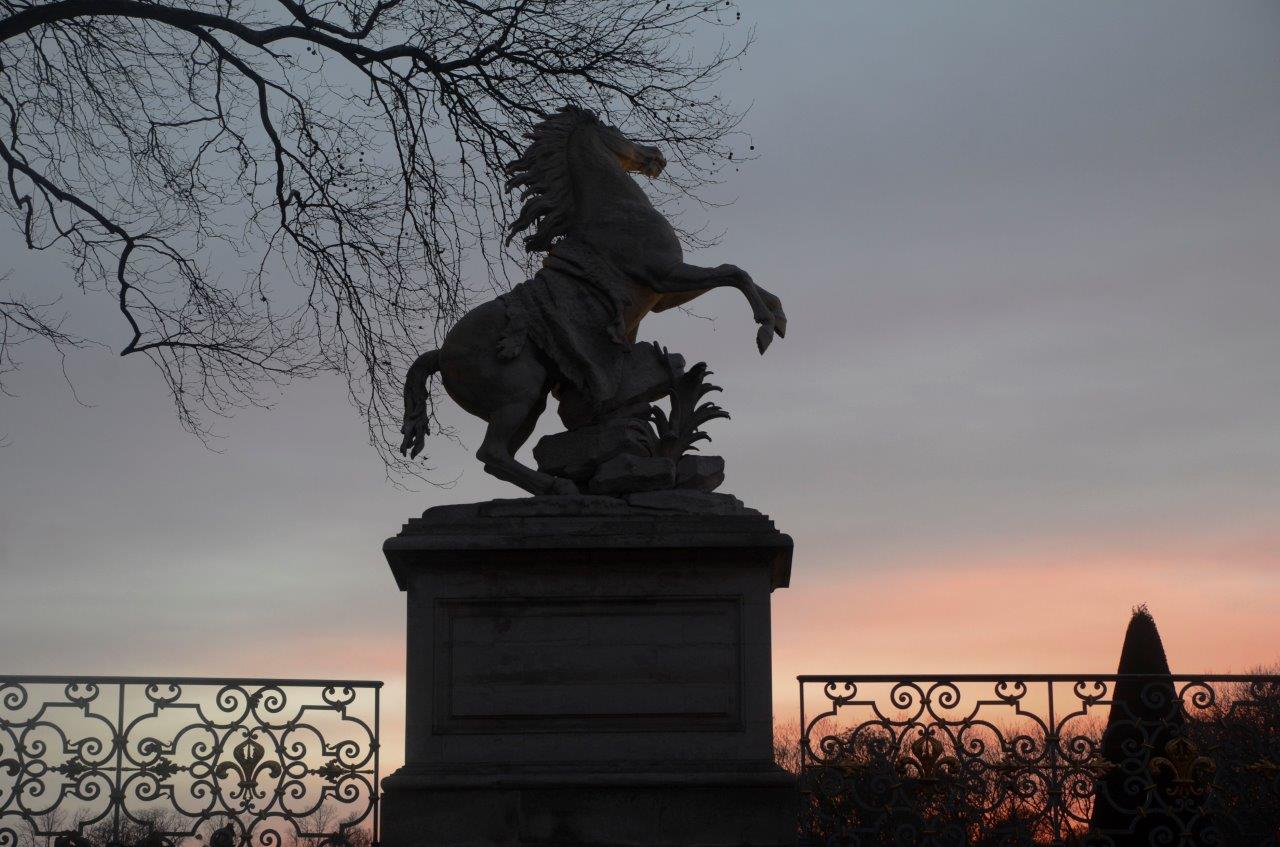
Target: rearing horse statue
(612, 258)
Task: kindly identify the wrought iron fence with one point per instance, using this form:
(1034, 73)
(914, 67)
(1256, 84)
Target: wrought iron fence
(1102, 761)
(106, 761)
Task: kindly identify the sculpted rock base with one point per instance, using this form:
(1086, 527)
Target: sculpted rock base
(577, 454)
(700, 473)
(631, 474)
(612, 458)
(590, 670)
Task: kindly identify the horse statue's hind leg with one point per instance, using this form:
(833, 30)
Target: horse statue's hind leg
(509, 427)
(508, 394)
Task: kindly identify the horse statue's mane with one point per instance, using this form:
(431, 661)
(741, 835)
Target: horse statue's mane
(542, 174)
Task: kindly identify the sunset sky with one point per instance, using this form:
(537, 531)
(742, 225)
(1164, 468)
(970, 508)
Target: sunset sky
(1029, 254)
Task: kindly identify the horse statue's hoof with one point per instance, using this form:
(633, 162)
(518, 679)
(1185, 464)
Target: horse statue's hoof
(764, 337)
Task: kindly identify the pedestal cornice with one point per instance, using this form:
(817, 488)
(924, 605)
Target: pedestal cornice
(603, 531)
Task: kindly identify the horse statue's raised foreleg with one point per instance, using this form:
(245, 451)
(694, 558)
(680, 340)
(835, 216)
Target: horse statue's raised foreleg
(685, 282)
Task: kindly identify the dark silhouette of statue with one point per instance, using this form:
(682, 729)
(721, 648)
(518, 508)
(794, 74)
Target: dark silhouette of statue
(612, 258)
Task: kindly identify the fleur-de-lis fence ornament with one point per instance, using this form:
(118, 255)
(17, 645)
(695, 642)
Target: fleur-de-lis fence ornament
(1189, 772)
(248, 765)
(927, 762)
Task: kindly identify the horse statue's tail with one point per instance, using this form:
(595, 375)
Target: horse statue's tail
(414, 428)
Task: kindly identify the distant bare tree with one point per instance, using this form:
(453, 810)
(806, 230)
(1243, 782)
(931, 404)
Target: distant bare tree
(353, 148)
(52, 821)
(143, 829)
(316, 829)
(353, 833)
(786, 747)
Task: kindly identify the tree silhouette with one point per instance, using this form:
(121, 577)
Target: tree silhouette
(353, 148)
(1146, 716)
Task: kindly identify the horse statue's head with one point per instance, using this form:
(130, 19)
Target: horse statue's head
(542, 172)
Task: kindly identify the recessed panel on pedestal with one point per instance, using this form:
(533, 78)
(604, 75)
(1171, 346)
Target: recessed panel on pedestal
(538, 664)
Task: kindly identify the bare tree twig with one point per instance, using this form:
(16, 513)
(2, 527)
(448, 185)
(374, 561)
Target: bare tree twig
(21, 322)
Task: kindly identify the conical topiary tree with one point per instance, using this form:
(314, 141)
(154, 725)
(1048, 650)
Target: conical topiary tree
(1133, 800)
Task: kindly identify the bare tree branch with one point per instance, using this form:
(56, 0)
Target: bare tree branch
(21, 322)
(273, 189)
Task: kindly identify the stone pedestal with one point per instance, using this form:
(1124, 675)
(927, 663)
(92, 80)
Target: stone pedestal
(589, 670)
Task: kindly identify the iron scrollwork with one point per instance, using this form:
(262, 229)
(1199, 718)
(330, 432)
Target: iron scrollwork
(1049, 759)
(102, 762)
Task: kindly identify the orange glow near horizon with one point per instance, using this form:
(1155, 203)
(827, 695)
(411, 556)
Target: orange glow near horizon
(1062, 611)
